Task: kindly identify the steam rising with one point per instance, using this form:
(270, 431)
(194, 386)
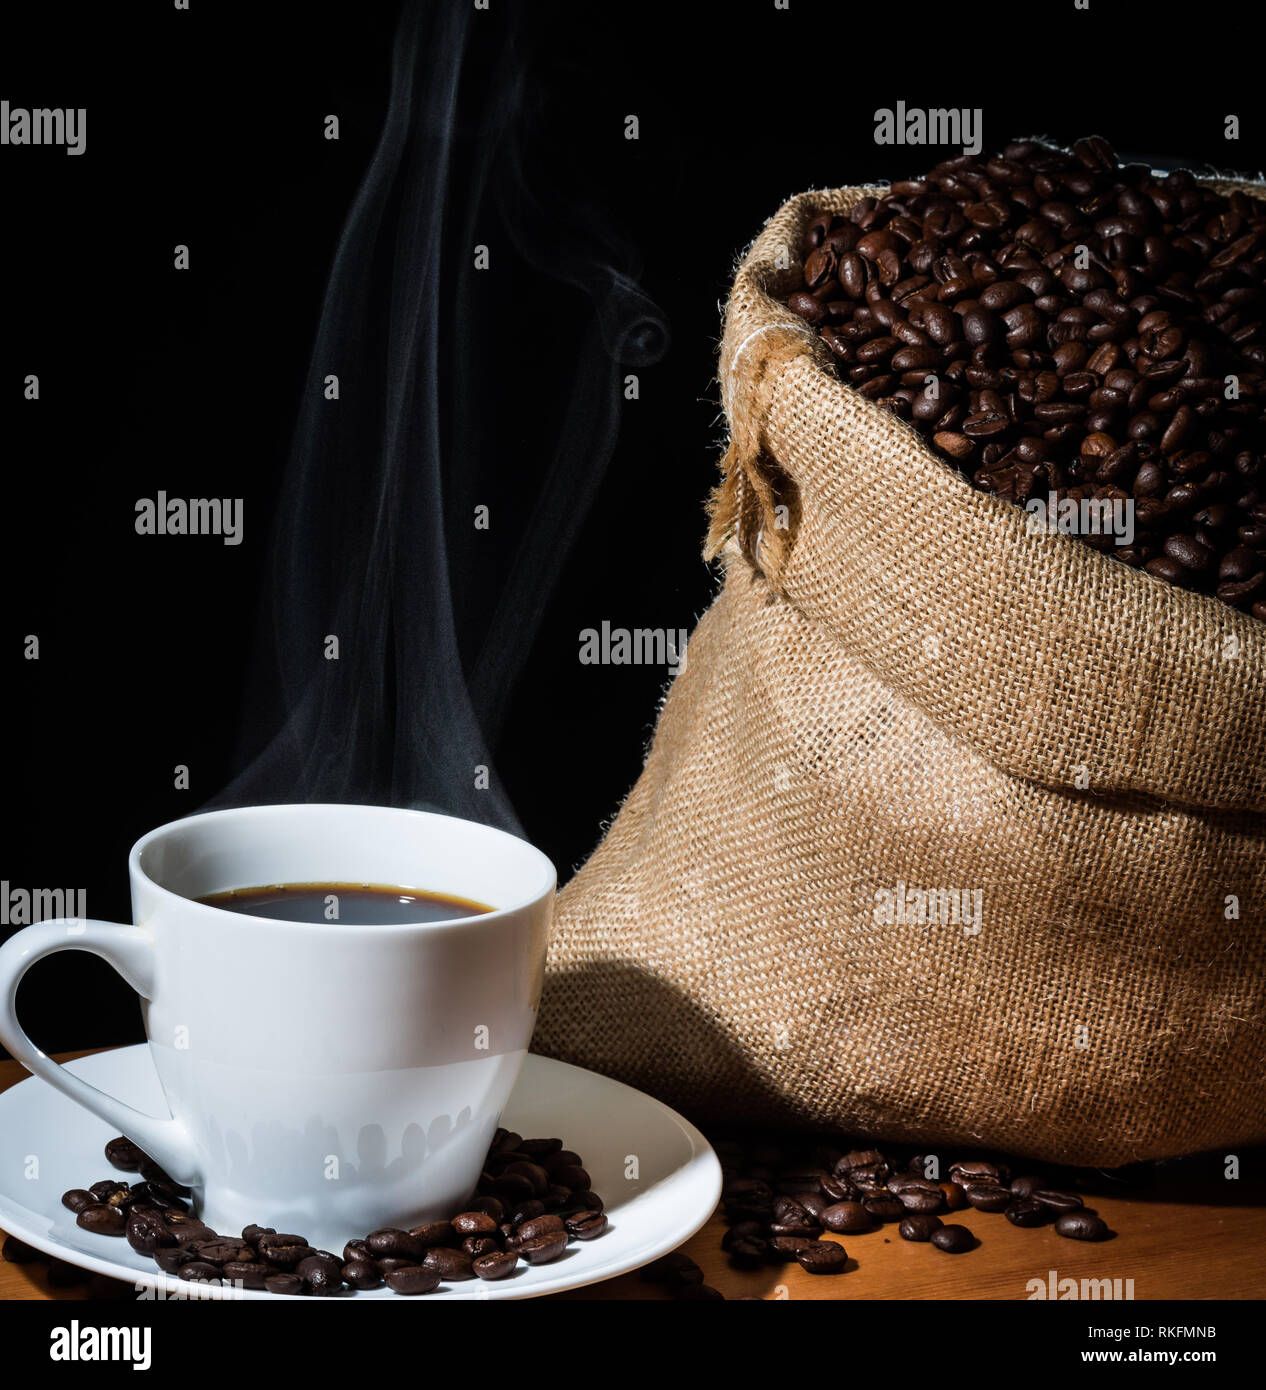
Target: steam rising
(375, 543)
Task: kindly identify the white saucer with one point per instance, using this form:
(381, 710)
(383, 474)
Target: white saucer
(48, 1144)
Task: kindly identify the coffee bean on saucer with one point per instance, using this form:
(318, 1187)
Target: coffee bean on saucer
(218, 1251)
(919, 1225)
(283, 1283)
(322, 1274)
(187, 1228)
(389, 1263)
(414, 1279)
(953, 1239)
(434, 1233)
(248, 1274)
(398, 1244)
(147, 1231)
(199, 1272)
(541, 1149)
(284, 1251)
(77, 1199)
(451, 1265)
(822, 1257)
(547, 1224)
(539, 1250)
(525, 1211)
(17, 1252)
(362, 1274)
(490, 1206)
(152, 1173)
(474, 1246)
(252, 1235)
(102, 1219)
(473, 1223)
(1023, 1211)
(145, 1194)
(113, 1192)
(497, 1264)
(125, 1155)
(574, 1177)
(586, 1225)
(170, 1258)
(1081, 1225)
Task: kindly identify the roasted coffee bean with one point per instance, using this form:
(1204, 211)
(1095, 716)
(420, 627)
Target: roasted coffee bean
(112, 1192)
(362, 1274)
(987, 1196)
(396, 1244)
(283, 1283)
(495, 1265)
(978, 1171)
(1057, 1201)
(186, 1228)
(433, 1233)
(218, 1251)
(1025, 1187)
(787, 1247)
(452, 1265)
(548, 1224)
(125, 1155)
(573, 1176)
(102, 1219)
(955, 1196)
(170, 1258)
(822, 1257)
(283, 1251)
(846, 1218)
(536, 1176)
(539, 1250)
(322, 1274)
(674, 1268)
(77, 1199)
(18, 1252)
(920, 1199)
(1081, 1225)
(390, 1262)
(474, 1246)
(953, 1239)
(252, 1235)
(413, 1279)
(920, 1225)
(473, 1223)
(884, 1208)
(246, 1274)
(527, 1211)
(199, 1272)
(147, 1231)
(1024, 1211)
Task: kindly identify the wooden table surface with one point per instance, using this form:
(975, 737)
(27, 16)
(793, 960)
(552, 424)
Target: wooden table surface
(1199, 1249)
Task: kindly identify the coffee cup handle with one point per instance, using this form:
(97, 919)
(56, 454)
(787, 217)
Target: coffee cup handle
(130, 950)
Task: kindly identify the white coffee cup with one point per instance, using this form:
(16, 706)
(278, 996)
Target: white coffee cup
(324, 1078)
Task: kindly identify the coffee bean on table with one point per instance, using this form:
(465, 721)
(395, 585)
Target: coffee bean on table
(497, 1264)
(884, 1208)
(1024, 1211)
(64, 1275)
(17, 1252)
(953, 1239)
(102, 1219)
(786, 1247)
(955, 1196)
(1026, 1186)
(1081, 1225)
(919, 1225)
(413, 1279)
(846, 1218)
(987, 1196)
(674, 1268)
(1058, 1201)
(125, 1155)
(822, 1257)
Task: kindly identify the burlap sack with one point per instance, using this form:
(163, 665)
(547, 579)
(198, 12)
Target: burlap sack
(900, 688)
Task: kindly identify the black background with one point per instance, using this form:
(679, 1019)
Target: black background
(205, 128)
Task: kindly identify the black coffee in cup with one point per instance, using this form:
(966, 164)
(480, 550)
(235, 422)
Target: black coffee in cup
(352, 904)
